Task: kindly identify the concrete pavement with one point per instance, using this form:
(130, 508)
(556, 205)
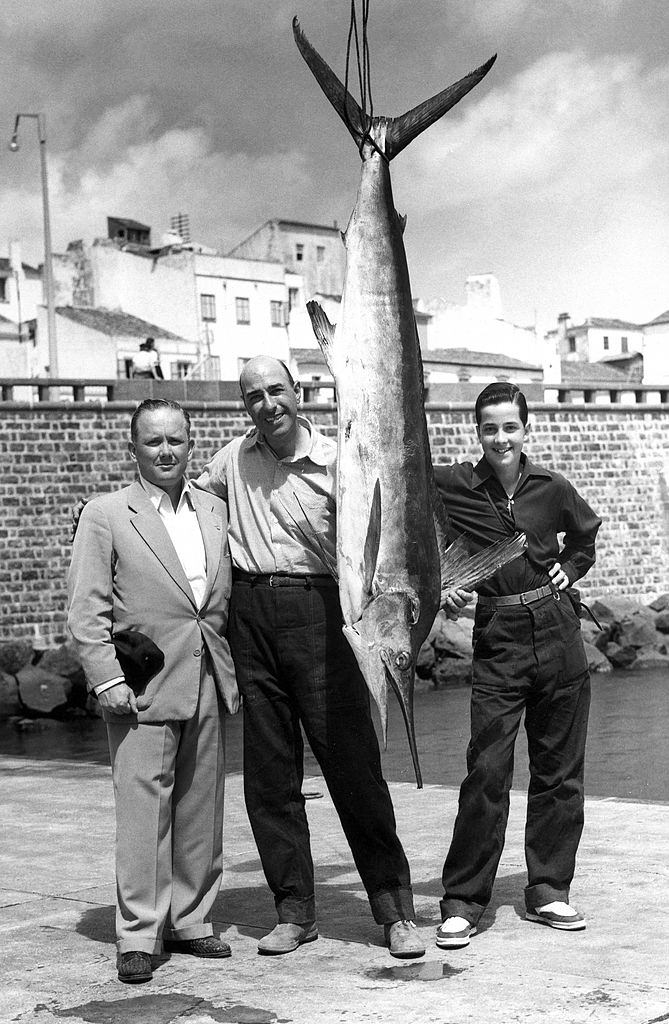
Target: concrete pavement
(57, 940)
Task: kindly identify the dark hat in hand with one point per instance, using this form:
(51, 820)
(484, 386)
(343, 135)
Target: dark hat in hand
(138, 656)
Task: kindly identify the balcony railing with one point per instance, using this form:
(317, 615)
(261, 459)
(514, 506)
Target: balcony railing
(35, 390)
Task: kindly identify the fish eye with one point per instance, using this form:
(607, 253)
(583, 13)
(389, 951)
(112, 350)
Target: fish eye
(403, 660)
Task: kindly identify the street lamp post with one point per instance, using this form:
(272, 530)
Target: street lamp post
(48, 267)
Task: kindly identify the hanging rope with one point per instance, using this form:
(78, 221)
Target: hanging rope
(364, 73)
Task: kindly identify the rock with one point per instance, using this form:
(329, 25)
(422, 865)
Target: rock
(452, 672)
(9, 695)
(451, 639)
(620, 657)
(62, 661)
(425, 661)
(591, 633)
(662, 621)
(14, 654)
(637, 629)
(42, 691)
(660, 604)
(613, 609)
(597, 661)
(649, 657)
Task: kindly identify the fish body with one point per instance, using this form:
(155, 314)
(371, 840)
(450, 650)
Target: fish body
(388, 549)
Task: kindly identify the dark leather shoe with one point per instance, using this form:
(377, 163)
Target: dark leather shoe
(285, 937)
(134, 967)
(208, 946)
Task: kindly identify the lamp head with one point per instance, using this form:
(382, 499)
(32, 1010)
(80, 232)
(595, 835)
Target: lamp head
(14, 143)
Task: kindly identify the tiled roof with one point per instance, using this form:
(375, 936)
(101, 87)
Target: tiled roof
(457, 356)
(603, 322)
(663, 318)
(468, 356)
(110, 322)
(131, 223)
(591, 373)
(6, 268)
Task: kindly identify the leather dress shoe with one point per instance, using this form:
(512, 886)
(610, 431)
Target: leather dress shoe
(208, 946)
(134, 967)
(285, 937)
(403, 940)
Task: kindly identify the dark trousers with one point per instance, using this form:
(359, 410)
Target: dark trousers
(526, 658)
(295, 667)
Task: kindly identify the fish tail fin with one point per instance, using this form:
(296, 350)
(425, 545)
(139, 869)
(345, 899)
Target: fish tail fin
(340, 98)
(402, 130)
(324, 332)
(399, 131)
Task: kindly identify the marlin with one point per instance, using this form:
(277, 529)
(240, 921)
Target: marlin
(392, 565)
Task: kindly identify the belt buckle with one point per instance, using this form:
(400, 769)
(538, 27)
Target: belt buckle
(271, 580)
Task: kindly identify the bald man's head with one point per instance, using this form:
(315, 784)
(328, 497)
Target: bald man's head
(271, 398)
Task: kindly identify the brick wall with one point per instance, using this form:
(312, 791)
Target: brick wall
(50, 455)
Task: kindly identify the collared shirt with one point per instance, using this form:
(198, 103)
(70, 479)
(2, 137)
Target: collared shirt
(544, 505)
(186, 536)
(276, 507)
(184, 532)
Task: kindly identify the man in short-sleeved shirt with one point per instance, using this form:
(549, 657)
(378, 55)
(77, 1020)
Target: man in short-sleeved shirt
(295, 669)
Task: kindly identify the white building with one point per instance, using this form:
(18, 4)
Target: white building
(479, 325)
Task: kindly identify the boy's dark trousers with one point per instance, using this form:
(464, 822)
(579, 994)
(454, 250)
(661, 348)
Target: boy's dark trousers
(526, 658)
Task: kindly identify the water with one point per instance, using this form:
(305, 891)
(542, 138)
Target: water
(627, 757)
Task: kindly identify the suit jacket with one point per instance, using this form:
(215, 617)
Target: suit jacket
(125, 574)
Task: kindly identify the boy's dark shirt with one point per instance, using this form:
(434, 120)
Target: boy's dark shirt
(544, 504)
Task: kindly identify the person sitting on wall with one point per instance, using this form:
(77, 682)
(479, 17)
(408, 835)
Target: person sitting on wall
(147, 361)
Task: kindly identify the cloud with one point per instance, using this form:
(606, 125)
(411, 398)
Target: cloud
(117, 171)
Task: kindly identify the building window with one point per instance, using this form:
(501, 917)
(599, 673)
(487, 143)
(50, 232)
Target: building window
(320, 253)
(572, 343)
(276, 314)
(293, 298)
(208, 307)
(3, 289)
(623, 344)
(606, 343)
(299, 252)
(243, 311)
(179, 369)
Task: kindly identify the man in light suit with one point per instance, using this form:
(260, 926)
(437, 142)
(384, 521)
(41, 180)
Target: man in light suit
(153, 559)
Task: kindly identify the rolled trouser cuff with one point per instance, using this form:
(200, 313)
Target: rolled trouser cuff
(392, 905)
(471, 912)
(296, 911)
(540, 895)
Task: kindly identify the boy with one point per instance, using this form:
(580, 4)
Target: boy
(528, 656)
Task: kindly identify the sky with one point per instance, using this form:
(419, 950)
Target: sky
(552, 173)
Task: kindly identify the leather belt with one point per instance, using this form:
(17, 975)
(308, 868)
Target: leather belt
(283, 579)
(528, 597)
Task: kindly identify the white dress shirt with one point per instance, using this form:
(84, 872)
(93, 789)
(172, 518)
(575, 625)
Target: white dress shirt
(184, 532)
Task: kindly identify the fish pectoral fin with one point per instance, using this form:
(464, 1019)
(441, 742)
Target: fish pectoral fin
(372, 541)
(402, 218)
(339, 97)
(404, 129)
(324, 332)
(458, 569)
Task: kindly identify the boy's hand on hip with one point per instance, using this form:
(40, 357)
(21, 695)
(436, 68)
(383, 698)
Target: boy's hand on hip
(558, 576)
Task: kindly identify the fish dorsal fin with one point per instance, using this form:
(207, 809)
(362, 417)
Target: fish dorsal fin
(339, 97)
(324, 332)
(372, 540)
(404, 129)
